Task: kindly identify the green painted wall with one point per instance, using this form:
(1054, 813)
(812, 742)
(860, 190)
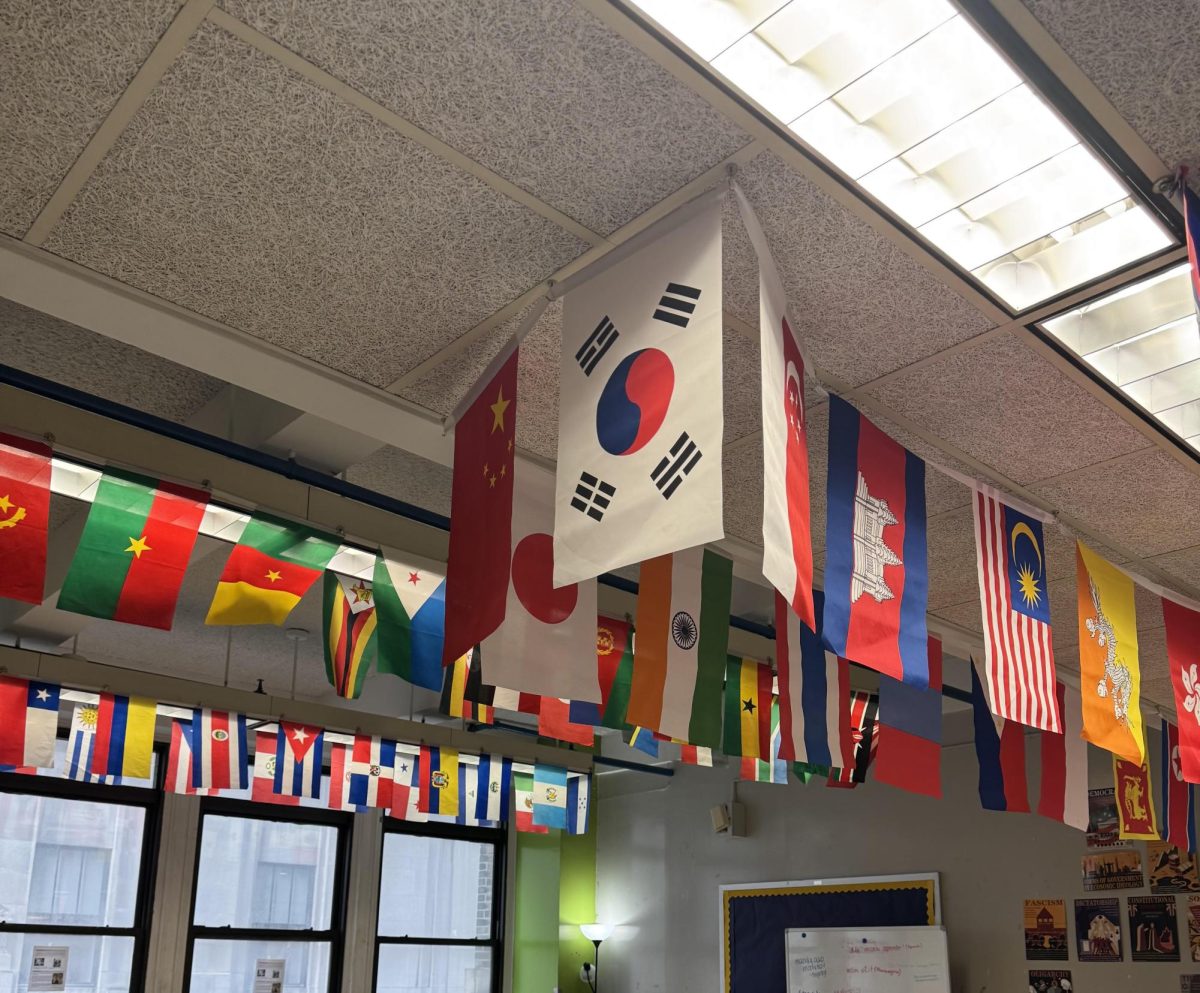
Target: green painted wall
(576, 905)
(535, 913)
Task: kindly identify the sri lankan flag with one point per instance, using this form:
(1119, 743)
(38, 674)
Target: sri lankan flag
(747, 708)
(349, 633)
(268, 571)
(134, 550)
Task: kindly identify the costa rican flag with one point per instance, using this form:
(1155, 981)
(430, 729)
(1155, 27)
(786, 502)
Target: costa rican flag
(372, 770)
(495, 778)
(299, 750)
(1013, 590)
(218, 746)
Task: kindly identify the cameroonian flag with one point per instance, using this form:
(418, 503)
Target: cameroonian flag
(410, 598)
(349, 633)
(134, 550)
(268, 571)
(748, 699)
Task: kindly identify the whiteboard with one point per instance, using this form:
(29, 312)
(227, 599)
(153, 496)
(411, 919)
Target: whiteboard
(867, 960)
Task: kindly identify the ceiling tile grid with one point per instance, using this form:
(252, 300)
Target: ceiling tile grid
(401, 475)
(65, 65)
(245, 193)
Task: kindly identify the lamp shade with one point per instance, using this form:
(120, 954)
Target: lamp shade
(596, 932)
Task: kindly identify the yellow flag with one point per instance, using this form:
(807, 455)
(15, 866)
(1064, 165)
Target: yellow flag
(1108, 657)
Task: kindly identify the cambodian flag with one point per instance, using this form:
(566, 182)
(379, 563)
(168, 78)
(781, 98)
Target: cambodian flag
(876, 571)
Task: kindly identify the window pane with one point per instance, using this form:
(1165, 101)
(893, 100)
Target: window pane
(228, 966)
(68, 861)
(269, 874)
(435, 888)
(434, 969)
(94, 965)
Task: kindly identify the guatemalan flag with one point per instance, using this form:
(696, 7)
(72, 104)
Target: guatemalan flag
(299, 749)
(876, 569)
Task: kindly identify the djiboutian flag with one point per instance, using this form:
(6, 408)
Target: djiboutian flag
(272, 566)
(1000, 749)
(481, 510)
(910, 731)
(680, 652)
(134, 550)
(876, 567)
(1064, 786)
(410, 598)
(1183, 657)
(24, 517)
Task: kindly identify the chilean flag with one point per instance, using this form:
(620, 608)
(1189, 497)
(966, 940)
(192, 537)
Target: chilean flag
(876, 569)
(28, 722)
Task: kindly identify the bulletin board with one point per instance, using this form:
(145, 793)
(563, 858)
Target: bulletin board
(755, 917)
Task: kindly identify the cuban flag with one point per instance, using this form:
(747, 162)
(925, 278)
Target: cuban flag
(876, 568)
(495, 783)
(28, 722)
(217, 740)
(814, 691)
(372, 770)
(299, 751)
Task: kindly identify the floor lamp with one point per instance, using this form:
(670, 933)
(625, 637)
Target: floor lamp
(595, 933)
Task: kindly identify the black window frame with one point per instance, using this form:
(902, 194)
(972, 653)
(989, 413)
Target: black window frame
(334, 936)
(150, 799)
(497, 837)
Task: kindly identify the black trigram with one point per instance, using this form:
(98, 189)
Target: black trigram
(669, 472)
(677, 305)
(592, 496)
(598, 342)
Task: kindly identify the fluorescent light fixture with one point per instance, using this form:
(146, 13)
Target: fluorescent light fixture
(913, 104)
(1145, 340)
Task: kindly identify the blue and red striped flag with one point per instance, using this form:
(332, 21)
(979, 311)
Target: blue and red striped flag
(1191, 226)
(910, 731)
(371, 771)
(814, 691)
(124, 736)
(876, 567)
(439, 781)
(1178, 822)
(219, 757)
(1000, 749)
(298, 755)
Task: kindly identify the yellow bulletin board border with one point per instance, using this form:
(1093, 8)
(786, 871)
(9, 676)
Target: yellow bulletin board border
(847, 884)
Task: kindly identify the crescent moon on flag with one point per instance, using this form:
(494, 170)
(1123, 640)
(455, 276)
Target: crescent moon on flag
(793, 376)
(1023, 529)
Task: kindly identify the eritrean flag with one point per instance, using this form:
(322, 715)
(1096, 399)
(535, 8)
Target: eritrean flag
(349, 633)
(124, 736)
(134, 550)
(268, 571)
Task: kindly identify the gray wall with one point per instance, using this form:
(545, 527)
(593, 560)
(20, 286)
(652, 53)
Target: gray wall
(659, 866)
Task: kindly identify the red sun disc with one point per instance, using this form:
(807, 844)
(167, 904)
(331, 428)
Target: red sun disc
(533, 580)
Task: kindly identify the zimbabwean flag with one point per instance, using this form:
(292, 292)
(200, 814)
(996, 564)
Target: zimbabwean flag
(268, 571)
(349, 633)
(134, 550)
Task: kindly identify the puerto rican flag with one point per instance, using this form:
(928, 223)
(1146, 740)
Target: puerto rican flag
(28, 722)
(371, 770)
(299, 750)
(876, 568)
(218, 746)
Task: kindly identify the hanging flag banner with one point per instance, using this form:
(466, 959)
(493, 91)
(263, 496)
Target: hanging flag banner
(262, 781)
(80, 743)
(28, 722)
(1108, 657)
(614, 657)
(640, 412)
(910, 731)
(24, 517)
(1000, 749)
(180, 771)
(371, 770)
(859, 747)
(1177, 823)
(410, 599)
(219, 756)
(549, 796)
(124, 742)
(523, 804)
(1064, 789)
(554, 721)
(406, 789)
(546, 631)
(876, 568)
(495, 784)
(1014, 594)
(350, 623)
(1135, 800)
(439, 781)
(1191, 225)
(771, 769)
(814, 691)
(1183, 658)
(748, 698)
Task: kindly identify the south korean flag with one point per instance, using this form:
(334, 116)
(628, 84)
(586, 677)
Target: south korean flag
(640, 402)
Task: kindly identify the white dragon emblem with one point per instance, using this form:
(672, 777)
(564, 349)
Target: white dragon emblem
(1115, 672)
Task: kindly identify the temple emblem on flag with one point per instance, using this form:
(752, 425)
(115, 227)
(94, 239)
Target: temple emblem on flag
(871, 552)
(1116, 672)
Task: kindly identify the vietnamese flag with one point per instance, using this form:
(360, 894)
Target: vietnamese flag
(24, 517)
(481, 504)
(134, 550)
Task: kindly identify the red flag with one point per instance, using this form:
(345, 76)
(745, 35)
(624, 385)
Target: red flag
(481, 502)
(910, 731)
(1178, 822)
(1183, 657)
(1064, 786)
(262, 787)
(24, 517)
(554, 721)
(1135, 799)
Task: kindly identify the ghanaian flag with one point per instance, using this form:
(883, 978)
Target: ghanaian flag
(268, 571)
(748, 693)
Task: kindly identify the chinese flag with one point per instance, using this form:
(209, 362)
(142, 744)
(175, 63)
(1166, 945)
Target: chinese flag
(481, 501)
(24, 517)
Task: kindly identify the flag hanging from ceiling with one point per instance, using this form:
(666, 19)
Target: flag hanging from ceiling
(614, 658)
(579, 793)
(1177, 824)
(218, 745)
(134, 550)
(1183, 658)
(468, 796)
(549, 796)
(546, 632)
(1015, 598)
(339, 779)
(124, 736)
(861, 744)
(695, 755)
(406, 789)
(439, 781)
(1191, 225)
(299, 751)
(1135, 799)
(495, 783)
(554, 721)
(1000, 749)
(180, 772)
(272, 566)
(481, 510)
(80, 742)
(910, 731)
(771, 769)
(464, 694)
(371, 771)
(640, 413)
(645, 741)
(28, 722)
(748, 697)
(876, 569)
(24, 517)
(523, 804)
(350, 625)
(1064, 789)
(814, 691)
(262, 784)
(683, 635)
(410, 600)
(1108, 657)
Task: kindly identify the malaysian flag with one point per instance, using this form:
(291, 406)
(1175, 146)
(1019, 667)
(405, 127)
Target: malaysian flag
(1019, 660)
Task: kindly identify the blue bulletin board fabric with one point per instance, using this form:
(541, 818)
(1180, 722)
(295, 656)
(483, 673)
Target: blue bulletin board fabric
(756, 919)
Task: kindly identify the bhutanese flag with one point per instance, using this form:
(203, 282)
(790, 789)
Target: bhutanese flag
(124, 736)
(349, 633)
(748, 698)
(1109, 676)
(439, 781)
(134, 550)
(268, 571)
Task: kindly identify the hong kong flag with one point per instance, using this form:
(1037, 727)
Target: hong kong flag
(1183, 658)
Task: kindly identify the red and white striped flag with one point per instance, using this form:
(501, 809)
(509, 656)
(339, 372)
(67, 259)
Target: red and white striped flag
(1064, 792)
(179, 763)
(1019, 663)
(262, 785)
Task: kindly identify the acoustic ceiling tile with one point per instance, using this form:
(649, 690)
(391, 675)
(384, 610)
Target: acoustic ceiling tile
(1161, 692)
(245, 193)
(965, 615)
(65, 64)
(953, 577)
(743, 494)
(401, 475)
(1183, 564)
(536, 90)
